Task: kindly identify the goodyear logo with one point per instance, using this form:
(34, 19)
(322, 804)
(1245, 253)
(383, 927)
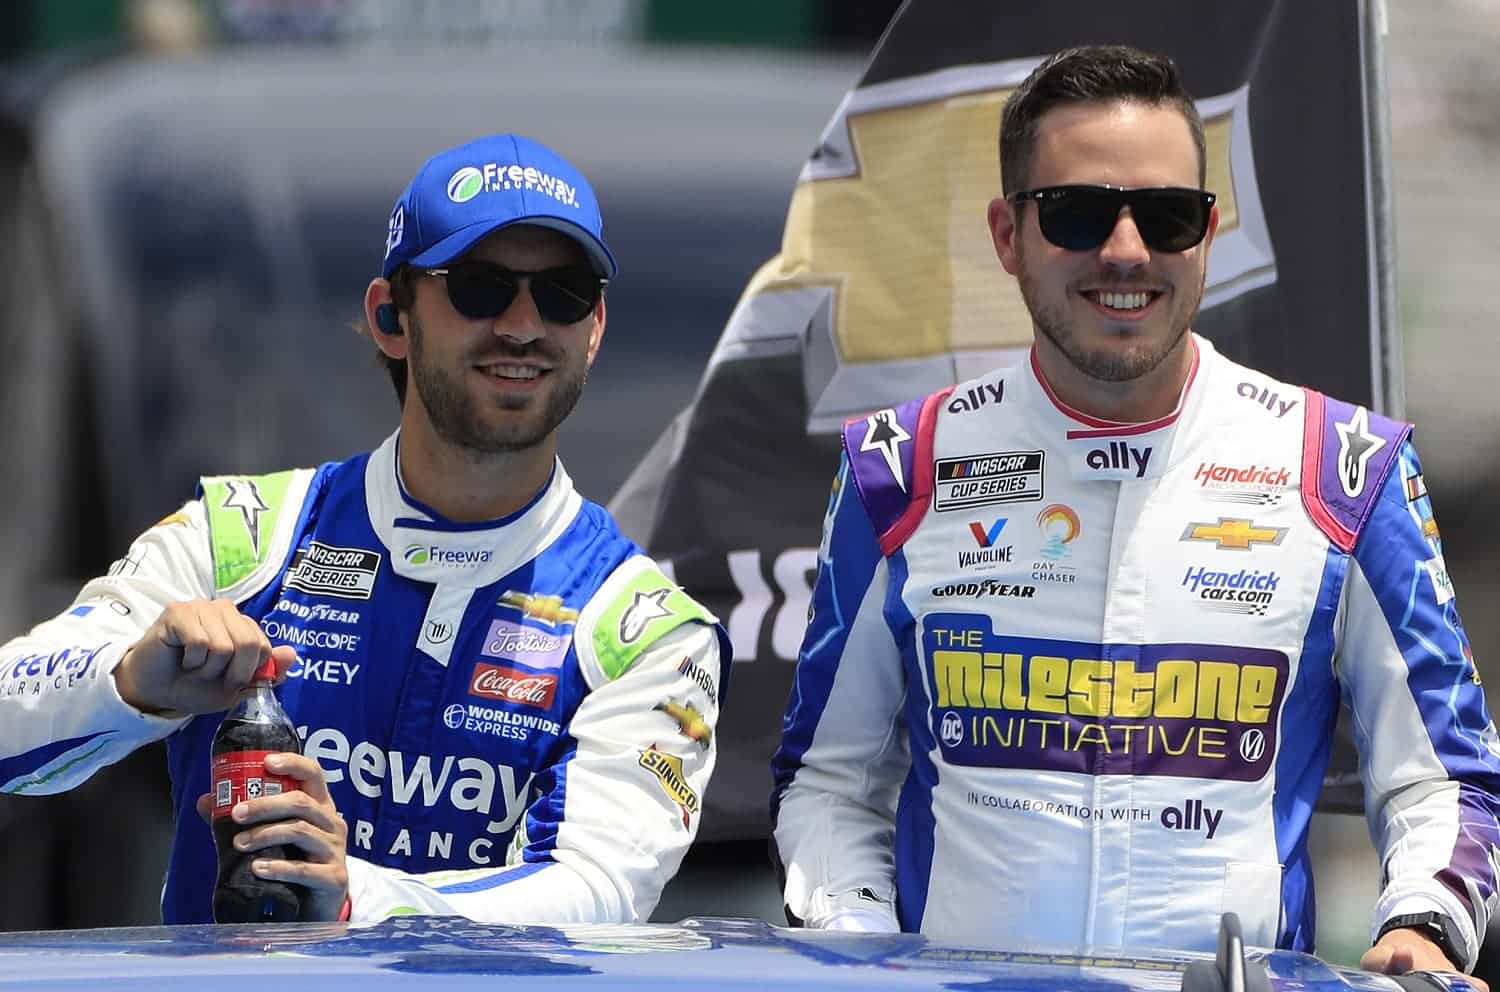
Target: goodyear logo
(1188, 710)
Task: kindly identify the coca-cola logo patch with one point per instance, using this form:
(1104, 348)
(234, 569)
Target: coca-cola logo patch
(513, 686)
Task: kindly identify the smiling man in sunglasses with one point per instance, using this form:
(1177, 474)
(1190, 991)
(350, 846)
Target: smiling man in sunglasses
(507, 709)
(1081, 627)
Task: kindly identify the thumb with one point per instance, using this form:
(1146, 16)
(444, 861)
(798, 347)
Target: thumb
(285, 657)
(206, 807)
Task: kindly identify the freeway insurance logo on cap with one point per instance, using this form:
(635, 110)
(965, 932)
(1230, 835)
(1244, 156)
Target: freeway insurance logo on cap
(470, 181)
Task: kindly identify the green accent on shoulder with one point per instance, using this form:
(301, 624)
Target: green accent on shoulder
(242, 517)
(647, 607)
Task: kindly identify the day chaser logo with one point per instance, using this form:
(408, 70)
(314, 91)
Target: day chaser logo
(1246, 592)
(1356, 446)
(543, 608)
(981, 480)
(884, 433)
(1233, 534)
(327, 570)
(1182, 710)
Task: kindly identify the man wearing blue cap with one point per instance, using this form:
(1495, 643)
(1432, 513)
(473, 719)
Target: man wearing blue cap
(507, 710)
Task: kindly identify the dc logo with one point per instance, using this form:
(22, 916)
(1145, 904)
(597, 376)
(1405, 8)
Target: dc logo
(952, 729)
(397, 228)
(453, 716)
(1252, 745)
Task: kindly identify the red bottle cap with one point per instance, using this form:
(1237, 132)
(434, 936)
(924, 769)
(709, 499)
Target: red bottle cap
(267, 670)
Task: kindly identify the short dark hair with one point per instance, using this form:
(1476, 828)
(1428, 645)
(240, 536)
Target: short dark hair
(1093, 73)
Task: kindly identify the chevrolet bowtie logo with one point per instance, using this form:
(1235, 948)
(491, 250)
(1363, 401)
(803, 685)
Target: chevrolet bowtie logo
(1234, 533)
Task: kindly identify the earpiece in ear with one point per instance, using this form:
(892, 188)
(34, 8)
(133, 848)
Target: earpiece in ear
(386, 319)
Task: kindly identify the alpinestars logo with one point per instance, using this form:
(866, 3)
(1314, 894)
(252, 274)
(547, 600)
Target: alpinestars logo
(883, 433)
(645, 607)
(243, 496)
(1356, 447)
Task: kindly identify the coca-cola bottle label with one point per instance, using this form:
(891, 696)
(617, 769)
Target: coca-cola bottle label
(241, 775)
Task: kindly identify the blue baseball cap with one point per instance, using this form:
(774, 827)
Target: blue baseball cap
(463, 194)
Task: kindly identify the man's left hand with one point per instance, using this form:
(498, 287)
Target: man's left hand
(304, 819)
(1409, 949)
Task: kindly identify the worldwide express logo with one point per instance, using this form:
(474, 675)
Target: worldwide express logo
(1179, 710)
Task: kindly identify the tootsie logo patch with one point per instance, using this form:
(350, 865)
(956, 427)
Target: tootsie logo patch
(513, 686)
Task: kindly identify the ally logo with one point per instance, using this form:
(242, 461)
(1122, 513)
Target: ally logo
(416, 554)
(465, 184)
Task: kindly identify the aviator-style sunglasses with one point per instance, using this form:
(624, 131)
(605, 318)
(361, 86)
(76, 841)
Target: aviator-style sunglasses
(483, 290)
(1081, 218)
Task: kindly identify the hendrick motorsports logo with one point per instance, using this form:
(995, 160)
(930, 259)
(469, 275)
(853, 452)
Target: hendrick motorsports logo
(470, 181)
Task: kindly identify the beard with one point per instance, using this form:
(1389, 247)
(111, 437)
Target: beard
(456, 415)
(1052, 321)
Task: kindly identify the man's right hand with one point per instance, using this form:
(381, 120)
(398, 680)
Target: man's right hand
(196, 658)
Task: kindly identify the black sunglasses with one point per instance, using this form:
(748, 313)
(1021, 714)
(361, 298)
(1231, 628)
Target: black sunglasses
(484, 290)
(1081, 218)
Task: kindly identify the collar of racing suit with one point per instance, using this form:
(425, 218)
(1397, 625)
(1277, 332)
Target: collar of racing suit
(1101, 449)
(425, 547)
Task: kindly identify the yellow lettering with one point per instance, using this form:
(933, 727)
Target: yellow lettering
(1132, 695)
(1092, 733)
(992, 676)
(1166, 742)
(1015, 699)
(1257, 690)
(1044, 724)
(1218, 689)
(1175, 683)
(1211, 742)
(1088, 687)
(1049, 684)
(958, 677)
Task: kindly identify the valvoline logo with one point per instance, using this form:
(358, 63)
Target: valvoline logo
(422, 554)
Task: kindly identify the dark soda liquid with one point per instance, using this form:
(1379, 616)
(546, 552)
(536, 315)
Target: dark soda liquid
(239, 895)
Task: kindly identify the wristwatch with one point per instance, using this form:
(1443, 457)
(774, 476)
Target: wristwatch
(1443, 931)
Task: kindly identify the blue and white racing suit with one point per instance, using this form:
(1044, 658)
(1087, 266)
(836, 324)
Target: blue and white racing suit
(515, 719)
(1075, 682)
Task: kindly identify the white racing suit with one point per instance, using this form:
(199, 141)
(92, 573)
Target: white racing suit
(515, 719)
(1075, 682)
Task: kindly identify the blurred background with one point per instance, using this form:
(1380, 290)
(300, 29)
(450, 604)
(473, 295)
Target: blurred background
(194, 193)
